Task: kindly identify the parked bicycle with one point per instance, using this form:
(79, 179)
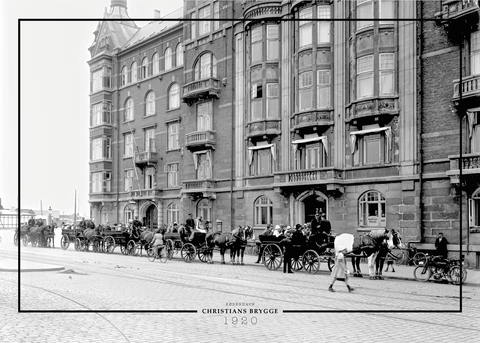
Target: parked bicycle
(408, 255)
(441, 269)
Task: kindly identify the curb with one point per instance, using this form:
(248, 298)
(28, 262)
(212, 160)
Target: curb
(29, 270)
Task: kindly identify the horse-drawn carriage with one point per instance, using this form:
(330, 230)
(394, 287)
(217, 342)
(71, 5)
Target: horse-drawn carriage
(22, 233)
(37, 233)
(195, 245)
(173, 243)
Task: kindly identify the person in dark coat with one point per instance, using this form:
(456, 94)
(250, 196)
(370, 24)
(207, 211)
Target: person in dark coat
(325, 226)
(267, 232)
(190, 222)
(287, 255)
(315, 224)
(441, 246)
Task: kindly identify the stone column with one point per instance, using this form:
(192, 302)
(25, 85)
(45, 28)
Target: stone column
(287, 88)
(239, 98)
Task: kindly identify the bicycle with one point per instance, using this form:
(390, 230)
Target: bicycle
(161, 255)
(440, 269)
(408, 255)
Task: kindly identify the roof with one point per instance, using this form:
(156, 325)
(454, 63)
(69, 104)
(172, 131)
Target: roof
(151, 29)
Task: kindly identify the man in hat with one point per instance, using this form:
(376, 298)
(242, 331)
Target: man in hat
(267, 232)
(190, 222)
(325, 226)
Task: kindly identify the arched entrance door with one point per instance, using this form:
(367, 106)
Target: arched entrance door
(151, 216)
(308, 203)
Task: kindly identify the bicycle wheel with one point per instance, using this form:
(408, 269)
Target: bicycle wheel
(163, 255)
(422, 273)
(419, 259)
(457, 275)
(151, 255)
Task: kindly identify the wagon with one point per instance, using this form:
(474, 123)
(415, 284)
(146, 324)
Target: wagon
(112, 239)
(173, 243)
(68, 236)
(196, 246)
(22, 235)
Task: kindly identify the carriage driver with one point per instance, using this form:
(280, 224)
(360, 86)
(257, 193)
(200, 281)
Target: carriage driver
(157, 242)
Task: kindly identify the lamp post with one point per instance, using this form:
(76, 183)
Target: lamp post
(49, 220)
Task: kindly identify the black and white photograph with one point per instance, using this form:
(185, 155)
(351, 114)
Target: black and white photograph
(240, 170)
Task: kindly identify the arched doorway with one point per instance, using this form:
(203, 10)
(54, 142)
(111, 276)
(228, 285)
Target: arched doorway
(151, 217)
(308, 203)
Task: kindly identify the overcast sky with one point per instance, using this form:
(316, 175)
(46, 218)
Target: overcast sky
(54, 114)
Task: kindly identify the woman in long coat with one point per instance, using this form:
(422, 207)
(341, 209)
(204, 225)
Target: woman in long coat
(339, 271)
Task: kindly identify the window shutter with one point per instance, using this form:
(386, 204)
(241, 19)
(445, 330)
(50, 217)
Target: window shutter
(175, 167)
(165, 168)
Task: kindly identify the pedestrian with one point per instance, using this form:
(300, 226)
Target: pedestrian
(157, 242)
(339, 271)
(287, 252)
(325, 226)
(315, 224)
(267, 232)
(441, 246)
(390, 259)
(190, 222)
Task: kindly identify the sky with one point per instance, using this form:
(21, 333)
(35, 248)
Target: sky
(54, 99)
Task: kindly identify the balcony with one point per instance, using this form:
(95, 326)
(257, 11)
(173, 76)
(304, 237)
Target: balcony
(268, 127)
(146, 194)
(312, 119)
(200, 140)
(458, 12)
(201, 89)
(261, 9)
(381, 108)
(470, 88)
(199, 189)
(145, 158)
(330, 177)
(470, 167)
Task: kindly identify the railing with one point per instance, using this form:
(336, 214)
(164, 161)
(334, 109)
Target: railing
(261, 8)
(200, 86)
(470, 85)
(453, 9)
(146, 156)
(198, 184)
(313, 118)
(199, 137)
(301, 176)
(469, 161)
(145, 193)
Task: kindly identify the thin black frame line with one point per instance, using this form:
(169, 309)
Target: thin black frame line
(187, 19)
(109, 311)
(252, 21)
(371, 311)
(19, 165)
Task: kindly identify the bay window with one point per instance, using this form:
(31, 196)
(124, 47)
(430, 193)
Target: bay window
(387, 11)
(97, 182)
(257, 44)
(305, 91)
(101, 148)
(323, 27)
(364, 11)
(365, 76)
(101, 79)
(273, 92)
(101, 114)
(305, 27)
(272, 42)
(323, 89)
(256, 101)
(387, 69)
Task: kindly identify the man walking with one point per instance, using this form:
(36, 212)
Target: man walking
(441, 246)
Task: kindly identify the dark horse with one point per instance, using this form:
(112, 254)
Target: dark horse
(89, 231)
(235, 241)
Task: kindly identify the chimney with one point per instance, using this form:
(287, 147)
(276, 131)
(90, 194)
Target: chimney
(156, 14)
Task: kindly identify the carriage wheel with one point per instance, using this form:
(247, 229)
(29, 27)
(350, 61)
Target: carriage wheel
(25, 240)
(203, 254)
(123, 248)
(297, 263)
(311, 261)
(76, 244)
(188, 252)
(169, 248)
(130, 250)
(151, 255)
(331, 263)
(34, 241)
(80, 243)
(273, 256)
(15, 239)
(101, 245)
(400, 256)
(109, 244)
(64, 242)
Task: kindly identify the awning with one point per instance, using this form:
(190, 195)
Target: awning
(310, 140)
(258, 147)
(354, 134)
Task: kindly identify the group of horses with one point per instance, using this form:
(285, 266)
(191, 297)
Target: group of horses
(38, 232)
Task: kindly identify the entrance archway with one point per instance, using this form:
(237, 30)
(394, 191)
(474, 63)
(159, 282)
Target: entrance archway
(151, 217)
(307, 204)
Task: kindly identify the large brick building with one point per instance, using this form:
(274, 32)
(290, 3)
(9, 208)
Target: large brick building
(256, 112)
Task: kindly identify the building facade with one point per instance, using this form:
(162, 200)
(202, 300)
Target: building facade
(257, 112)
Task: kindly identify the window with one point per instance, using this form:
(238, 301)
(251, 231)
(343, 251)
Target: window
(272, 42)
(372, 145)
(371, 148)
(96, 149)
(144, 70)
(365, 76)
(101, 79)
(129, 115)
(124, 75)
(168, 59)
(150, 140)
(474, 131)
(305, 29)
(172, 214)
(387, 11)
(149, 178)
(204, 166)
(129, 213)
(323, 89)
(263, 211)
(364, 11)
(386, 74)
(216, 15)
(205, 67)
(172, 174)
(474, 210)
(257, 95)
(204, 14)
(174, 96)
(475, 53)
(193, 25)
(173, 136)
(371, 209)
(257, 40)
(305, 91)
(97, 182)
(204, 210)
(150, 104)
(323, 27)
(101, 148)
(273, 92)
(128, 180)
(179, 55)
(133, 72)
(204, 116)
(128, 145)
(100, 114)
(156, 64)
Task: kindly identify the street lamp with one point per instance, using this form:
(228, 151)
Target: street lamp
(49, 221)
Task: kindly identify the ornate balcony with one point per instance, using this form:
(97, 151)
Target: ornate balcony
(268, 127)
(201, 89)
(312, 119)
(260, 9)
(460, 11)
(470, 167)
(372, 108)
(200, 140)
(146, 194)
(330, 177)
(199, 189)
(470, 88)
(101, 197)
(145, 158)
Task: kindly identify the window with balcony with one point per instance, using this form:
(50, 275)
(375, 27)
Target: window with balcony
(144, 70)
(305, 27)
(150, 178)
(364, 11)
(101, 114)
(260, 158)
(204, 14)
(323, 89)
(216, 15)
(371, 146)
(150, 104)
(474, 210)
(204, 209)
(205, 67)
(263, 210)
(168, 58)
(173, 136)
(124, 74)
(305, 86)
(101, 79)
(323, 27)
(101, 148)
(310, 152)
(174, 96)
(371, 210)
(365, 76)
(97, 182)
(133, 72)
(179, 55)
(129, 110)
(128, 145)
(475, 53)
(150, 140)
(172, 213)
(156, 63)
(203, 164)
(204, 116)
(172, 174)
(128, 179)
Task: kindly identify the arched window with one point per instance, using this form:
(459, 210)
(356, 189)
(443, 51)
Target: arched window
(174, 96)
(205, 67)
(168, 59)
(144, 68)
(129, 106)
(371, 210)
(172, 213)
(179, 55)
(204, 209)
(156, 64)
(150, 104)
(129, 213)
(474, 210)
(263, 211)
(133, 72)
(124, 75)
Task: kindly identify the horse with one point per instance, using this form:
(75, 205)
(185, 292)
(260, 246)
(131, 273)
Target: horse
(234, 241)
(89, 231)
(367, 245)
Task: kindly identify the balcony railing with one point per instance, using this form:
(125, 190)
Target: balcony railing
(312, 118)
(470, 87)
(470, 164)
(145, 194)
(197, 185)
(457, 9)
(264, 127)
(200, 139)
(299, 177)
(145, 157)
(200, 89)
(261, 9)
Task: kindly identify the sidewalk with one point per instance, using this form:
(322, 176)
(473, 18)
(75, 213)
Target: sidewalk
(11, 265)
